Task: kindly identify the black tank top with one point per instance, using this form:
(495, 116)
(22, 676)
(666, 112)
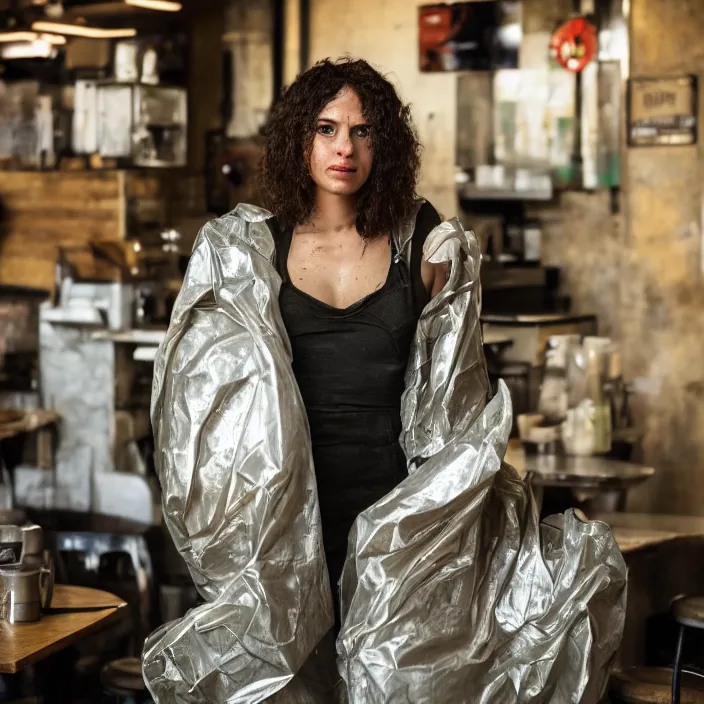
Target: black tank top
(352, 358)
(350, 365)
(355, 358)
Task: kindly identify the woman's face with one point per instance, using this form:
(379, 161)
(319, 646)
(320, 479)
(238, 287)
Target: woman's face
(341, 156)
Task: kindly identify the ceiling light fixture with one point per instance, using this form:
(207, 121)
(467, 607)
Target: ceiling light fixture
(38, 49)
(76, 30)
(53, 39)
(26, 36)
(163, 5)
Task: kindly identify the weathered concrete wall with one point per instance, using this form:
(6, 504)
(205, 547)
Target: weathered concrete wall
(662, 285)
(639, 272)
(247, 36)
(583, 239)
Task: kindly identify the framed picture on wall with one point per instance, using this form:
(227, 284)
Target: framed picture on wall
(469, 36)
(662, 111)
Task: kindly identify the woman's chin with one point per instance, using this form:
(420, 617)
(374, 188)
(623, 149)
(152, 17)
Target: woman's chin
(341, 189)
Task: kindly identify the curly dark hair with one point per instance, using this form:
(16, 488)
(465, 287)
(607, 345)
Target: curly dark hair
(389, 193)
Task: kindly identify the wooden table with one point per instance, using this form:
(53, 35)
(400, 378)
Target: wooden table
(26, 643)
(664, 554)
(42, 422)
(496, 338)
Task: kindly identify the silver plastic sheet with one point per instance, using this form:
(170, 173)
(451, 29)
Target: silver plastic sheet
(452, 590)
(239, 497)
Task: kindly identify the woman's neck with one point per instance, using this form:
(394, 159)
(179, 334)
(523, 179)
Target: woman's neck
(333, 212)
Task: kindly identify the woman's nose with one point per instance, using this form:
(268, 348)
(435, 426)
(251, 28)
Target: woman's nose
(345, 146)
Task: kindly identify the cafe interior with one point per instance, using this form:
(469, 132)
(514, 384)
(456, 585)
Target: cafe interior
(563, 133)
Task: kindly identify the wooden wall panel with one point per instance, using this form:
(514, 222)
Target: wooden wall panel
(47, 210)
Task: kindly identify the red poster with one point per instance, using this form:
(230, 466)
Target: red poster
(467, 36)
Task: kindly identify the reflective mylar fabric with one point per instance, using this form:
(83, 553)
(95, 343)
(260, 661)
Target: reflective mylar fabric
(452, 590)
(234, 461)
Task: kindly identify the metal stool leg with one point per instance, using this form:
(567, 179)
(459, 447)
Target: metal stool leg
(677, 669)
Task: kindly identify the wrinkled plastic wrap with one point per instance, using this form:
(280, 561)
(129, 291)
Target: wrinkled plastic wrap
(239, 497)
(452, 590)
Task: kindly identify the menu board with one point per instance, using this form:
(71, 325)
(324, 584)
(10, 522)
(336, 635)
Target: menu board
(662, 111)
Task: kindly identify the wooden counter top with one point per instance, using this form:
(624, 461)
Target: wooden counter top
(26, 643)
(585, 472)
(139, 336)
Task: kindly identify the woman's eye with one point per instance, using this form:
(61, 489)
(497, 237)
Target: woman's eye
(325, 129)
(363, 131)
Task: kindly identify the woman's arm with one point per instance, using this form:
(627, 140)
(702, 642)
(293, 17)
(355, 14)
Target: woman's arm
(433, 276)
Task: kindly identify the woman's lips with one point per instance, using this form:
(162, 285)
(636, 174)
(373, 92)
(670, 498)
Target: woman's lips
(343, 169)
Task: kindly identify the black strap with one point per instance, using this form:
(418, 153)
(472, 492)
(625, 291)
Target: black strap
(282, 241)
(426, 220)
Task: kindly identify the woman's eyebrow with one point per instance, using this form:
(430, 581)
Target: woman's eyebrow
(335, 122)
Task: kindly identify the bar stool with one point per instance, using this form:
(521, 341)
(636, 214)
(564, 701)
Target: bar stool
(653, 685)
(689, 613)
(123, 683)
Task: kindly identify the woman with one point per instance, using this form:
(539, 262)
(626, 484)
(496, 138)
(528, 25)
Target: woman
(340, 171)
(447, 595)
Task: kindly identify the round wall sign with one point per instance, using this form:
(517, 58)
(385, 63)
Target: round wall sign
(574, 44)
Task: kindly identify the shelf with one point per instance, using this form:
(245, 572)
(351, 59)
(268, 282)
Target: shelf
(137, 336)
(470, 192)
(523, 320)
(495, 278)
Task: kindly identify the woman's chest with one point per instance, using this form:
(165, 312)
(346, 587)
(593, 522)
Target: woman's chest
(338, 271)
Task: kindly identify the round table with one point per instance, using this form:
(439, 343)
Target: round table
(27, 643)
(584, 473)
(590, 483)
